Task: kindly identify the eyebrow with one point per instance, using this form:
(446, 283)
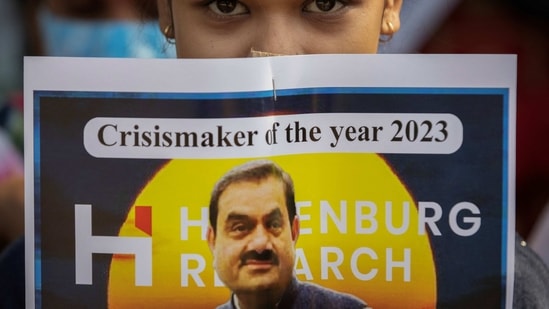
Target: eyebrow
(235, 216)
(275, 214)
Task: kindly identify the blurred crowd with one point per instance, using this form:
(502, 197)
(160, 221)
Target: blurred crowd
(71, 28)
(128, 28)
(518, 27)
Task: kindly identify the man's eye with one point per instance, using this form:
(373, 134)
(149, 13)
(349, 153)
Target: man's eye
(275, 224)
(227, 7)
(323, 6)
(238, 228)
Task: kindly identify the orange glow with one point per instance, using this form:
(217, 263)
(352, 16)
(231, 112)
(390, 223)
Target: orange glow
(337, 183)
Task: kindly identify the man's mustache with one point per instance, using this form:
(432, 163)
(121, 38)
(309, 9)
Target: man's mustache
(265, 256)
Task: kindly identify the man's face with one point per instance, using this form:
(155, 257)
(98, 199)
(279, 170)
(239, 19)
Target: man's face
(230, 28)
(253, 247)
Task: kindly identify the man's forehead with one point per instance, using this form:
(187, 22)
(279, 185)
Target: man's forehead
(259, 195)
(253, 184)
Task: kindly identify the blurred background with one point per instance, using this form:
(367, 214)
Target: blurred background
(128, 28)
(72, 28)
(518, 27)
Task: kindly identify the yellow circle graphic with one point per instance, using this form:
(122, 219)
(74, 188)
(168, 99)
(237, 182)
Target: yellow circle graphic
(359, 234)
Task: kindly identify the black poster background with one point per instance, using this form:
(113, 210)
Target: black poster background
(65, 174)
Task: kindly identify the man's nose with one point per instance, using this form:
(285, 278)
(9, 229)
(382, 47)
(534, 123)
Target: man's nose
(276, 36)
(260, 240)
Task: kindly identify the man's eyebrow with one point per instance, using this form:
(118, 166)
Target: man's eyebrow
(234, 216)
(275, 214)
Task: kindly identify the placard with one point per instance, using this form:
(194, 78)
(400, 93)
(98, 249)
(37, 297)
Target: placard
(403, 169)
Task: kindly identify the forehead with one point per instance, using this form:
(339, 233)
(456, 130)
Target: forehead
(253, 197)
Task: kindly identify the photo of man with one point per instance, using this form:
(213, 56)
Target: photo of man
(253, 231)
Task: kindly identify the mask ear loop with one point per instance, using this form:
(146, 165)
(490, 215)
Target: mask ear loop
(169, 31)
(384, 38)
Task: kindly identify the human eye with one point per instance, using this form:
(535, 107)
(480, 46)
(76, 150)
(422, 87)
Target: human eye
(227, 7)
(239, 227)
(275, 224)
(323, 6)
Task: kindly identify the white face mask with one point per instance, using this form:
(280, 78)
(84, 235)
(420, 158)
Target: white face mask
(71, 37)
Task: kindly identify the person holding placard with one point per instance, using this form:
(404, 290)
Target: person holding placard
(231, 28)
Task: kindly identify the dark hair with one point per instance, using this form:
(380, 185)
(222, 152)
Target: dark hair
(253, 171)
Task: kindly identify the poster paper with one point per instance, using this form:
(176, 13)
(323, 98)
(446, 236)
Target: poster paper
(403, 167)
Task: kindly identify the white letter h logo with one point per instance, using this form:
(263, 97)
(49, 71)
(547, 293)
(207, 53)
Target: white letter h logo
(86, 244)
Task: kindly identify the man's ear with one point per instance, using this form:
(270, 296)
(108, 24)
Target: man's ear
(295, 229)
(210, 236)
(165, 18)
(390, 22)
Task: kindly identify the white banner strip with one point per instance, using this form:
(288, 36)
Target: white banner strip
(272, 135)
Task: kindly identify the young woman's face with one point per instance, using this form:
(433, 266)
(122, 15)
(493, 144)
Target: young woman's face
(231, 28)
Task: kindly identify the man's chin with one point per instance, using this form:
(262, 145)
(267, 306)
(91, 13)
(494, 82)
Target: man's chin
(258, 283)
